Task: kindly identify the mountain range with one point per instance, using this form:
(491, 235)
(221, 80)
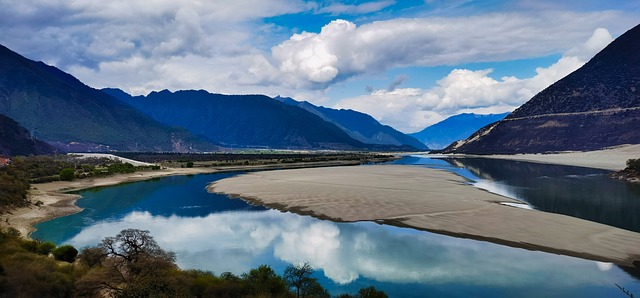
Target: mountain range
(595, 107)
(59, 109)
(252, 121)
(454, 128)
(359, 126)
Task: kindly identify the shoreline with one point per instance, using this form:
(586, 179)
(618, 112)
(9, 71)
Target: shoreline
(613, 159)
(56, 200)
(432, 200)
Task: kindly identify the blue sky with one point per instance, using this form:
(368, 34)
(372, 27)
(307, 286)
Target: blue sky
(407, 63)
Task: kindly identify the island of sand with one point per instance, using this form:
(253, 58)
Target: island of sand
(432, 200)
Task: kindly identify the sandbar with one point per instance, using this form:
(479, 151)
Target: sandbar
(432, 200)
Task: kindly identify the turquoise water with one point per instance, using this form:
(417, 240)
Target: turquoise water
(212, 232)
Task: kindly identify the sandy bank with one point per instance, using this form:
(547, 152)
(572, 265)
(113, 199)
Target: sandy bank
(432, 200)
(613, 159)
(56, 201)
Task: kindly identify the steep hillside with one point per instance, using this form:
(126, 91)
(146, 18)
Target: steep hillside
(454, 128)
(241, 120)
(594, 107)
(17, 140)
(57, 108)
(359, 126)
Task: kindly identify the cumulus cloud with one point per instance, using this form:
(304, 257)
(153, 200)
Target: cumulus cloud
(139, 45)
(465, 91)
(343, 49)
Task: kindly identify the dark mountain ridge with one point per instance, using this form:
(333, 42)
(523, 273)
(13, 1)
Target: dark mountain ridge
(595, 107)
(17, 140)
(255, 121)
(60, 109)
(359, 126)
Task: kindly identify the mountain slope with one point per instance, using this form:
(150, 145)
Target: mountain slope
(59, 109)
(359, 126)
(454, 128)
(17, 140)
(596, 106)
(241, 120)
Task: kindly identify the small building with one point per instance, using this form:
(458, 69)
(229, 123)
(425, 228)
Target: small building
(4, 160)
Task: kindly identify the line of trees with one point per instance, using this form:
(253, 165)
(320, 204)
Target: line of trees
(132, 264)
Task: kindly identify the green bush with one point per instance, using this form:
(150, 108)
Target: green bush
(190, 164)
(45, 248)
(121, 168)
(67, 174)
(633, 165)
(65, 253)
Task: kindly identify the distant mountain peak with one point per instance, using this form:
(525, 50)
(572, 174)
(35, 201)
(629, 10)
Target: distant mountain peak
(454, 128)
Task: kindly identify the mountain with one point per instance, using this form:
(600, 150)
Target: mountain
(58, 108)
(596, 106)
(359, 126)
(17, 140)
(454, 128)
(241, 120)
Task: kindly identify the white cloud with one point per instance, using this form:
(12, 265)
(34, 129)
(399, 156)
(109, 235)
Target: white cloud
(222, 46)
(342, 49)
(465, 91)
(235, 241)
(363, 8)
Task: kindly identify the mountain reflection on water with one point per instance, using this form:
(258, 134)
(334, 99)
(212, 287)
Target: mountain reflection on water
(212, 232)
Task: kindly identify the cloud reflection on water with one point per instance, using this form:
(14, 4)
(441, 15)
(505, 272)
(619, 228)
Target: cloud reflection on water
(234, 241)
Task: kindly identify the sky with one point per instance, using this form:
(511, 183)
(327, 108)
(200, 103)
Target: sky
(407, 63)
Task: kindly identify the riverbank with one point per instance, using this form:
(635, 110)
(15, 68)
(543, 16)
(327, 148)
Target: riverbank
(613, 159)
(52, 199)
(432, 200)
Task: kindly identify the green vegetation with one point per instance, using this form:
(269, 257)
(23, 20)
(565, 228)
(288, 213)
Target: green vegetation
(67, 174)
(253, 157)
(633, 166)
(132, 264)
(65, 253)
(630, 173)
(17, 177)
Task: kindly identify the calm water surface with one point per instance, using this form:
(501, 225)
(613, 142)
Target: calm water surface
(211, 232)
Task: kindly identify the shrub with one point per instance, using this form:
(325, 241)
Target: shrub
(45, 248)
(67, 174)
(65, 253)
(190, 164)
(633, 165)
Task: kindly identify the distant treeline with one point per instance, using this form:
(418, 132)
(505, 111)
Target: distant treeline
(131, 264)
(269, 155)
